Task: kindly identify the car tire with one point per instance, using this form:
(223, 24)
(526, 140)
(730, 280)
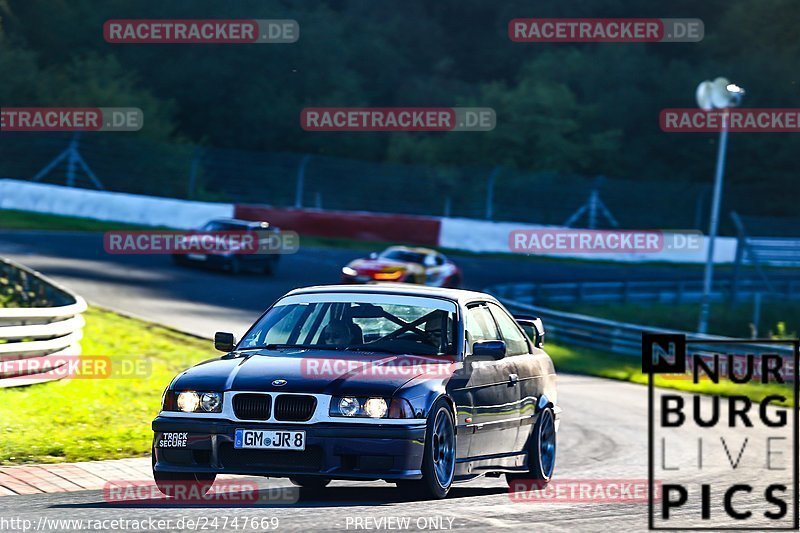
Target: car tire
(269, 267)
(439, 459)
(454, 282)
(541, 455)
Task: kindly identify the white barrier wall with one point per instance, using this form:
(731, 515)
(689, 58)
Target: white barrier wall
(457, 233)
(485, 236)
(111, 206)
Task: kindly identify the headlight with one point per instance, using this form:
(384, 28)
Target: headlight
(211, 402)
(193, 402)
(371, 407)
(188, 401)
(349, 406)
(347, 271)
(376, 407)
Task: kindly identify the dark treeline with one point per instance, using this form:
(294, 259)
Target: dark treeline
(587, 109)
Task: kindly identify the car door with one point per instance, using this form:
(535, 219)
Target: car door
(491, 393)
(532, 369)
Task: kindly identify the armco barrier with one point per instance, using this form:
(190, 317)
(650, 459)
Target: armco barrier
(669, 291)
(604, 335)
(48, 325)
(348, 224)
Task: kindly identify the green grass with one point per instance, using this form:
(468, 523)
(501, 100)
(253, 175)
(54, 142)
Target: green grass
(10, 219)
(725, 319)
(88, 419)
(594, 363)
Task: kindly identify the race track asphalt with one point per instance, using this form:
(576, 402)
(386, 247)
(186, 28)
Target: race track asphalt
(603, 431)
(202, 301)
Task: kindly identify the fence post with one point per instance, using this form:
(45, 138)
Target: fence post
(756, 313)
(301, 178)
(193, 173)
(740, 245)
(490, 192)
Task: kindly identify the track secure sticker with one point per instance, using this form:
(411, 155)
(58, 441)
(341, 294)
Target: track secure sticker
(173, 440)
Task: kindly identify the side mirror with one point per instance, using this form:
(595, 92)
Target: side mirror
(492, 349)
(224, 342)
(533, 328)
(373, 255)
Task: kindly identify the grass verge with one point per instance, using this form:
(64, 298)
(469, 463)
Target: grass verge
(729, 320)
(90, 419)
(594, 363)
(11, 219)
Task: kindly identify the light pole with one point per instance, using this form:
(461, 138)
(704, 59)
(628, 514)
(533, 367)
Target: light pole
(719, 94)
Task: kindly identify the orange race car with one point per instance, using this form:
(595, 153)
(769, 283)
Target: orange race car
(403, 264)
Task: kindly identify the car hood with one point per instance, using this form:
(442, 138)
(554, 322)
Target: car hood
(313, 371)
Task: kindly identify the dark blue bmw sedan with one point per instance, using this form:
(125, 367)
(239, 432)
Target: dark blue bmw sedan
(418, 386)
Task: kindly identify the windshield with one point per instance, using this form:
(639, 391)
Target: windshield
(403, 255)
(371, 323)
(216, 225)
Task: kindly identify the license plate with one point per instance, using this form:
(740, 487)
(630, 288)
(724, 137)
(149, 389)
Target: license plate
(269, 440)
(196, 257)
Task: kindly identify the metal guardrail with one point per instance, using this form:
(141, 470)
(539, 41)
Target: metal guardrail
(40, 323)
(601, 334)
(678, 291)
(774, 251)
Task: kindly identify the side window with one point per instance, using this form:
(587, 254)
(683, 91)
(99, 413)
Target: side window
(480, 325)
(439, 260)
(516, 343)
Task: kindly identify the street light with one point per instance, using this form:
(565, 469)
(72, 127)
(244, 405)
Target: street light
(719, 94)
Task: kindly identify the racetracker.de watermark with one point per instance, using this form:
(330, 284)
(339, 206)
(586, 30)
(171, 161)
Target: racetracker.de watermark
(186, 31)
(223, 493)
(754, 120)
(200, 242)
(605, 30)
(333, 368)
(36, 369)
(586, 241)
(71, 119)
(581, 491)
(398, 119)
